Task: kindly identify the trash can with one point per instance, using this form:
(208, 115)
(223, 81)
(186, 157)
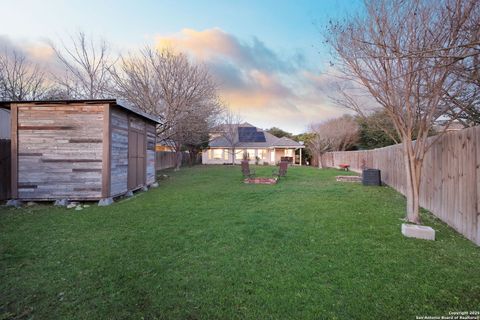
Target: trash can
(371, 177)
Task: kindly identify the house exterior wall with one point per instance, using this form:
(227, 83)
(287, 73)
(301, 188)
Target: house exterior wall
(57, 151)
(271, 156)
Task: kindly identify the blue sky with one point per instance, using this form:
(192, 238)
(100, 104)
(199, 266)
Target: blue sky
(269, 51)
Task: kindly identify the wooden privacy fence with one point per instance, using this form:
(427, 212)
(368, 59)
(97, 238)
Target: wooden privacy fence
(450, 182)
(166, 159)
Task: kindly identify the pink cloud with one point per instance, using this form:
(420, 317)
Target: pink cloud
(256, 81)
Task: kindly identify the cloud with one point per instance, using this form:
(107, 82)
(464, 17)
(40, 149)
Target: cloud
(215, 44)
(265, 87)
(36, 51)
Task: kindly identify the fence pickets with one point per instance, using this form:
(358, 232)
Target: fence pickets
(166, 160)
(450, 183)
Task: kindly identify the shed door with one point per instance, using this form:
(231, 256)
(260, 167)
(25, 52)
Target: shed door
(136, 155)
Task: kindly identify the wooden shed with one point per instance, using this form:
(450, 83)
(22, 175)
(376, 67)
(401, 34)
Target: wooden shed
(79, 150)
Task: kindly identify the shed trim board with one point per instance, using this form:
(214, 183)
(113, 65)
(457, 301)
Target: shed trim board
(106, 164)
(14, 153)
(62, 145)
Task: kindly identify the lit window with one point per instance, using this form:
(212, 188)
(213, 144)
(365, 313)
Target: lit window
(288, 152)
(250, 154)
(262, 153)
(238, 154)
(217, 153)
(225, 154)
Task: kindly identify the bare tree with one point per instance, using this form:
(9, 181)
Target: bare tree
(87, 65)
(180, 92)
(136, 81)
(20, 79)
(404, 53)
(337, 134)
(228, 128)
(195, 133)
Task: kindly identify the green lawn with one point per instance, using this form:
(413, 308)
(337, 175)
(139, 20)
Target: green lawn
(206, 246)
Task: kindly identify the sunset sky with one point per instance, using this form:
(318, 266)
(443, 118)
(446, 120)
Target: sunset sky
(267, 56)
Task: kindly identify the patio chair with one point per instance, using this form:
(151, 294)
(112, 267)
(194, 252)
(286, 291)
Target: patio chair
(282, 169)
(246, 170)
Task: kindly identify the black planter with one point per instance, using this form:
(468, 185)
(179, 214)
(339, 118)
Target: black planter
(371, 177)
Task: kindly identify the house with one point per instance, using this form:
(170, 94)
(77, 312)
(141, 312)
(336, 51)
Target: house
(78, 150)
(254, 144)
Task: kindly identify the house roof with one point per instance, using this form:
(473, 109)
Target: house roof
(270, 141)
(117, 103)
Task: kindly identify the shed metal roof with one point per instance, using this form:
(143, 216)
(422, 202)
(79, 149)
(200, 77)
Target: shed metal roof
(117, 103)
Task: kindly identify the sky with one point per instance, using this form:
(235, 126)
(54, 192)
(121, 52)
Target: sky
(267, 56)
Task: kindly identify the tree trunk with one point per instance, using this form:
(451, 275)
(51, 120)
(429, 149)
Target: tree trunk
(412, 192)
(178, 160)
(233, 156)
(320, 164)
(193, 153)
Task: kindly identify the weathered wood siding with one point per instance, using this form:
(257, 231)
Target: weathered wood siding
(59, 151)
(151, 142)
(119, 152)
(450, 182)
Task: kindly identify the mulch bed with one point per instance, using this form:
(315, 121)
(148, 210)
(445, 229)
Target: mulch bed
(260, 180)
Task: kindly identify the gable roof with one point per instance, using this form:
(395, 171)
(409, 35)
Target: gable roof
(270, 140)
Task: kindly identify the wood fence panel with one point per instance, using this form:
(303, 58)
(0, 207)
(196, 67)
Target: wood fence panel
(477, 178)
(166, 160)
(450, 182)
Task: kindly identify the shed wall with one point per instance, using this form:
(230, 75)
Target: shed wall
(151, 142)
(59, 151)
(119, 152)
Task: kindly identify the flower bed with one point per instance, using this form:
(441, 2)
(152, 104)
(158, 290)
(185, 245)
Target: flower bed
(260, 180)
(349, 178)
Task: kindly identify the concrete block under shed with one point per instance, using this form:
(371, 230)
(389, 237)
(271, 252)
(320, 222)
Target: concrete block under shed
(14, 203)
(416, 231)
(61, 203)
(105, 202)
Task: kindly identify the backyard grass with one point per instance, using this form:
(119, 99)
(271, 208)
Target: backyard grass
(206, 246)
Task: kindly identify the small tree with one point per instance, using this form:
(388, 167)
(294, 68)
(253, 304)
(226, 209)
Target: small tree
(230, 123)
(306, 139)
(404, 53)
(333, 135)
(277, 132)
(376, 131)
